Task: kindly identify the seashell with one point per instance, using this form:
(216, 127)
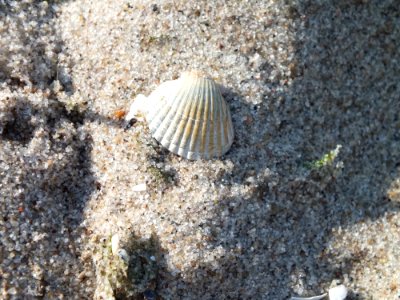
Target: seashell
(142, 187)
(189, 117)
(115, 244)
(338, 293)
(123, 254)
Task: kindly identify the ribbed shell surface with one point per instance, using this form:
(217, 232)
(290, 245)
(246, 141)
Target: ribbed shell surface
(190, 117)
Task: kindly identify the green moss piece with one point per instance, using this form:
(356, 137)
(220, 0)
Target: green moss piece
(326, 160)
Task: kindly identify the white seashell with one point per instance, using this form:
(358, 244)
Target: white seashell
(137, 106)
(139, 188)
(123, 254)
(189, 117)
(338, 293)
(115, 244)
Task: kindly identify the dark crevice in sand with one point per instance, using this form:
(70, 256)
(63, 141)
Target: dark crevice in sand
(19, 127)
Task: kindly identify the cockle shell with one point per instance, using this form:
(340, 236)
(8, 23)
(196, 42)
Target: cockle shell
(189, 117)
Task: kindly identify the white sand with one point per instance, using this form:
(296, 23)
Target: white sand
(266, 221)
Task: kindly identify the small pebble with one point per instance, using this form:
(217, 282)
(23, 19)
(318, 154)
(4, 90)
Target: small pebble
(139, 188)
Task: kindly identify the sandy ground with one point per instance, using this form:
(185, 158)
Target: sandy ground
(308, 197)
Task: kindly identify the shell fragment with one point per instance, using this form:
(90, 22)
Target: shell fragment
(139, 188)
(336, 293)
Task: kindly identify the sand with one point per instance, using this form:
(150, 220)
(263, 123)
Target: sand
(307, 198)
